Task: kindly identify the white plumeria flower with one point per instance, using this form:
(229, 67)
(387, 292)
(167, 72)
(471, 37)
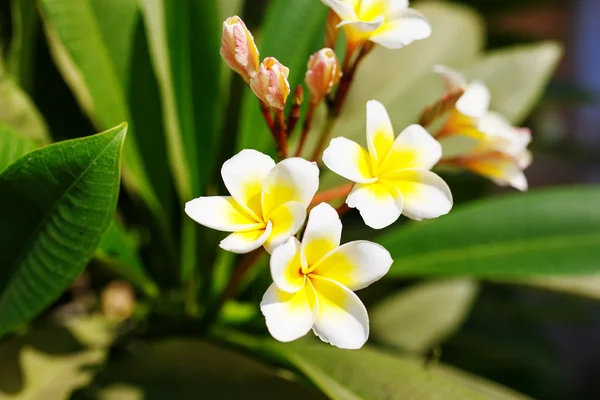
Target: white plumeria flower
(389, 23)
(480, 140)
(267, 204)
(313, 283)
(393, 177)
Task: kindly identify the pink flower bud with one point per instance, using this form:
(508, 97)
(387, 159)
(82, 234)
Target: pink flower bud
(238, 48)
(270, 83)
(323, 73)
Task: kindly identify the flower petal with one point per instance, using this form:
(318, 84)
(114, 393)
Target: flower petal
(287, 219)
(245, 242)
(293, 179)
(355, 264)
(243, 175)
(222, 213)
(452, 80)
(379, 204)
(363, 26)
(342, 319)
(289, 316)
(348, 159)
(286, 267)
(409, 26)
(475, 102)
(380, 133)
(322, 234)
(343, 8)
(414, 148)
(501, 168)
(425, 194)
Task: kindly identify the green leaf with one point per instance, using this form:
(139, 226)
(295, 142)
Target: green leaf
(516, 76)
(91, 42)
(584, 286)
(549, 232)
(187, 369)
(57, 203)
(371, 374)
(22, 44)
(403, 80)
(18, 111)
(12, 146)
(292, 31)
(423, 315)
(117, 252)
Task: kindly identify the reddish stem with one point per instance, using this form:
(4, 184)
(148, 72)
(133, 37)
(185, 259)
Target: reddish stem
(281, 134)
(332, 194)
(306, 128)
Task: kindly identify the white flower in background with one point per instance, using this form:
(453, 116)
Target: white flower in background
(389, 23)
(238, 48)
(392, 177)
(267, 204)
(480, 140)
(313, 283)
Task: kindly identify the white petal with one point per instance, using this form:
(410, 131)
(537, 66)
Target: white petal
(286, 268)
(342, 319)
(348, 159)
(289, 316)
(287, 219)
(425, 194)
(452, 80)
(475, 102)
(414, 148)
(363, 26)
(380, 133)
(379, 205)
(293, 179)
(343, 8)
(322, 234)
(245, 242)
(243, 175)
(355, 264)
(411, 25)
(501, 168)
(222, 213)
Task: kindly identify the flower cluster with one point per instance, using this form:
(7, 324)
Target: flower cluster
(314, 279)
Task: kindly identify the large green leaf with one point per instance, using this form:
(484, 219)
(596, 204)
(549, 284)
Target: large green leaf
(18, 111)
(12, 146)
(293, 30)
(56, 204)
(117, 252)
(91, 42)
(424, 315)
(585, 286)
(550, 232)
(371, 374)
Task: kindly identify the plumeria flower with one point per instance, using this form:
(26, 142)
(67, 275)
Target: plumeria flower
(313, 283)
(270, 84)
(238, 48)
(392, 177)
(480, 140)
(389, 23)
(267, 204)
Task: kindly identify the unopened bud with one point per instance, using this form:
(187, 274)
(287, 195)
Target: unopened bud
(270, 84)
(238, 48)
(323, 72)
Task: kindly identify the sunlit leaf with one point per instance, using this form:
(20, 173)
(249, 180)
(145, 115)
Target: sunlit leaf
(545, 232)
(423, 315)
(12, 146)
(65, 195)
(585, 286)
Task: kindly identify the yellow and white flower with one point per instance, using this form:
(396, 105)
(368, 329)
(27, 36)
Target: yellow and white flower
(313, 283)
(480, 140)
(389, 23)
(267, 204)
(393, 177)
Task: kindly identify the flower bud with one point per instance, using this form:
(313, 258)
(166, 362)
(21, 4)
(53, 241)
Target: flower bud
(270, 84)
(322, 74)
(238, 48)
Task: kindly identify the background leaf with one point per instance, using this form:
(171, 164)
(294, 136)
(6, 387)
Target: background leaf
(23, 41)
(550, 232)
(67, 193)
(292, 31)
(585, 286)
(12, 146)
(417, 318)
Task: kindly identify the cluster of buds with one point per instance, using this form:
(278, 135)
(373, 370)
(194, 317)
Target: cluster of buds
(268, 80)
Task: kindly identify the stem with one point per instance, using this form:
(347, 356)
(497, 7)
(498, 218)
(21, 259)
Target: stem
(343, 209)
(332, 194)
(266, 112)
(281, 137)
(306, 128)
